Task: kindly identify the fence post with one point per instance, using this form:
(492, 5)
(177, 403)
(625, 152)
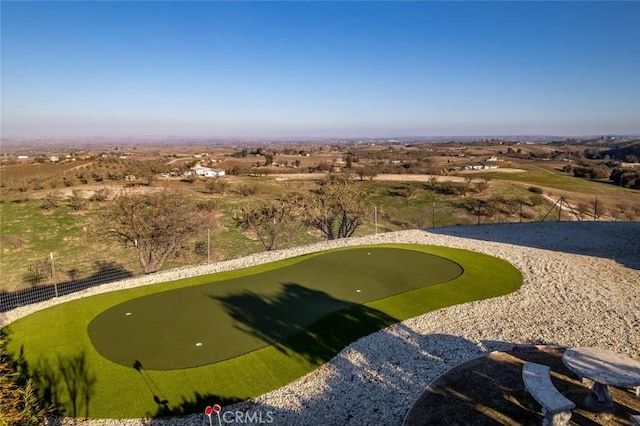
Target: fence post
(375, 218)
(433, 216)
(520, 211)
(53, 274)
(208, 245)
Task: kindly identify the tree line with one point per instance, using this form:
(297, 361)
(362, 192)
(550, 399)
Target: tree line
(156, 223)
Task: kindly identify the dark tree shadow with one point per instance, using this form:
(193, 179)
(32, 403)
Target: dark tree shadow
(185, 406)
(195, 404)
(67, 378)
(65, 384)
(303, 321)
(103, 272)
(621, 242)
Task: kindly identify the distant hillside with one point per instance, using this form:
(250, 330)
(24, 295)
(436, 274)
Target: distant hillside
(629, 152)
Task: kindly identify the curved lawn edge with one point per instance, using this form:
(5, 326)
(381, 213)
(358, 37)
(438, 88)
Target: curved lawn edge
(121, 392)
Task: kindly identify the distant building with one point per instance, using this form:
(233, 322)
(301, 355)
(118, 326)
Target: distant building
(205, 172)
(474, 166)
(482, 166)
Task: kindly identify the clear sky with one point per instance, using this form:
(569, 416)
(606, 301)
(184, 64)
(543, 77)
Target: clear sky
(343, 69)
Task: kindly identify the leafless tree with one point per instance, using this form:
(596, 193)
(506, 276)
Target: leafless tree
(50, 201)
(336, 207)
(367, 172)
(482, 185)
(583, 209)
(273, 221)
(155, 223)
(77, 201)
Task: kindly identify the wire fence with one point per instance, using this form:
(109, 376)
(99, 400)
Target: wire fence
(56, 276)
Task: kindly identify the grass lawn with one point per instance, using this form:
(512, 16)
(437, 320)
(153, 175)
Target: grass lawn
(57, 346)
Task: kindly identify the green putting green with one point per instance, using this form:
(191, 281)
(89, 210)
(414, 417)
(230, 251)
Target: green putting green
(200, 325)
(55, 345)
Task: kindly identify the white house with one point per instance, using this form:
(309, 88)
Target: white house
(205, 172)
(481, 166)
(475, 166)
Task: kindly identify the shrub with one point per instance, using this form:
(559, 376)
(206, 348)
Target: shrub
(246, 190)
(535, 190)
(217, 186)
(50, 201)
(19, 402)
(77, 201)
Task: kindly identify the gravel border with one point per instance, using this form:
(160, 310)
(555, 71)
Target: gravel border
(581, 288)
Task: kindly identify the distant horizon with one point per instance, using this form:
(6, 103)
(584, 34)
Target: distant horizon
(280, 70)
(159, 138)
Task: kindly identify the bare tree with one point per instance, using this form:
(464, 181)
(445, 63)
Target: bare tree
(274, 221)
(337, 207)
(154, 223)
(482, 185)
(77, 201)
(368, 172)
(511, 205)
(50, 201)
(582, 209)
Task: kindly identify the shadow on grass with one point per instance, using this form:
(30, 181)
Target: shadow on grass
(64, 384)
(185, 406)
(104, 272)
(289, 320)
(67, 383)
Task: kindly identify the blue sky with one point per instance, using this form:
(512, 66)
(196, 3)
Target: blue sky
(342, 69)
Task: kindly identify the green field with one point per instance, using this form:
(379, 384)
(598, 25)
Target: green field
(57, 347)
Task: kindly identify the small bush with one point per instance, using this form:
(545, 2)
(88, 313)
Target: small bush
(246, 190)
(535, 190)
(100, 195)
(217, 186)
(77, 201)
(50, 201)
(207, 205)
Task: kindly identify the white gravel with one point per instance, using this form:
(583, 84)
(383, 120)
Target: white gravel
(581, 288)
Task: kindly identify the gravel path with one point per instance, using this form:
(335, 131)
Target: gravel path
(581, 288)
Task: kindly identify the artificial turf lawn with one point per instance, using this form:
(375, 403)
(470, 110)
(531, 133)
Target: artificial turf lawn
(56, 344)
(200, 325)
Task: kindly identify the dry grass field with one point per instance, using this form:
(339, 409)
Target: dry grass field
(30, 235)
